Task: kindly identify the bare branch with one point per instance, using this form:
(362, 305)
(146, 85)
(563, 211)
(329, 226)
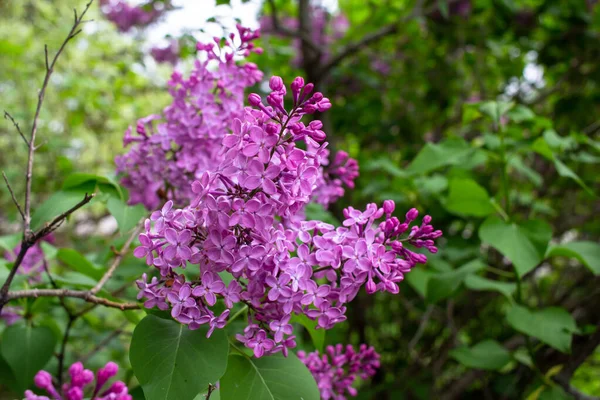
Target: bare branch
(116, 262)
(105, 342)
(8, 116)
(373, 37)
(421, 329)
(278, 28)
(12, 194)
(31, 239)
(31, 142)
(78, 294)
(57, 221)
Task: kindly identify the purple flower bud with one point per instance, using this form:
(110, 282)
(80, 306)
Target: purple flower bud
(254, 99)
(412, 214)
(276, 83)
(43, 380)
(389, 206)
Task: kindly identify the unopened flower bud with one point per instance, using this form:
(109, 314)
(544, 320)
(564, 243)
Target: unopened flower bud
(276, 83)
(254, 99)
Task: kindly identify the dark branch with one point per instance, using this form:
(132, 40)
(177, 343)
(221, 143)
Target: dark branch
(78, 294)
(12, 194)
(306, 39)
(8, 116)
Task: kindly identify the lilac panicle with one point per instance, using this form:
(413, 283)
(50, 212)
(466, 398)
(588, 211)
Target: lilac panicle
(336, 370)
(245, 223)
(81, 385)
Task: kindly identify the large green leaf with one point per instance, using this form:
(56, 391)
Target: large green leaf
(588, 253)
(524, 245)
(442, 285)
(127, 216)
(476, 282)
(268, 378)
(434, 156)
(7, 376)
(26, 350)
(488, 354)
(553, 326)
(317, 335)
(77, 262)
(468, 198)
(172, 362)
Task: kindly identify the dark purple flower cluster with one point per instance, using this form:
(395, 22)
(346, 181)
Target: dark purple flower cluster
(82, 380)
(337, 369)
(166, 157)
(168, 54)
(125, 16)
(243, 232)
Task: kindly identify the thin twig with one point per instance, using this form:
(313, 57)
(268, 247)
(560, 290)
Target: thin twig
(424, 321)
(79, 294)
(49, 71)
(57, 221)
(16, 124)
(108, 274)
(12, 194)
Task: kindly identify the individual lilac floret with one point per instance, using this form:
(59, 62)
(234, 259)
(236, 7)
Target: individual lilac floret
(168, 54)
(337, 369)
(81, 385)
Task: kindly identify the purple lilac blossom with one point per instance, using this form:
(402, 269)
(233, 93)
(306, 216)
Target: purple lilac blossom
(168, 54)
(125, 16)
(81, 385)
(243, 223)
(336, 370)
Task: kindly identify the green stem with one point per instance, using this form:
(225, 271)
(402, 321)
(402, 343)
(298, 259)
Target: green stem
(504, 169)
(237, 314)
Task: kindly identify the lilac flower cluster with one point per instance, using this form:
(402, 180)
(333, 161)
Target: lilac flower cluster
(32, 266)
(81, 381)
(168, 153)
(326, 28)
(166, 157)
(168, 54)
(243, 232)
(337, 369)
(125, 16)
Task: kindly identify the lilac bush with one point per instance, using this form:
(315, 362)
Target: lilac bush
(336, 370)
(81, 385)
(250, 173)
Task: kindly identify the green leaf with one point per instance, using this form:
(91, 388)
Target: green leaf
(488, 354)
(476, 282)
(553, 326)
(127, 216)
(9, 242)
(57, 204)
(567, 172)
(521, 114)
(268, 378)
(468, 198)
(7, 377)
(172, 362)
(588, 253)
(522, 245)
(443, 6)
(442, 285)
(495, 109)
(76, 261)
(317, 335)
(26, 350)
(418, 279)
(318, 212)
(434, 156)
